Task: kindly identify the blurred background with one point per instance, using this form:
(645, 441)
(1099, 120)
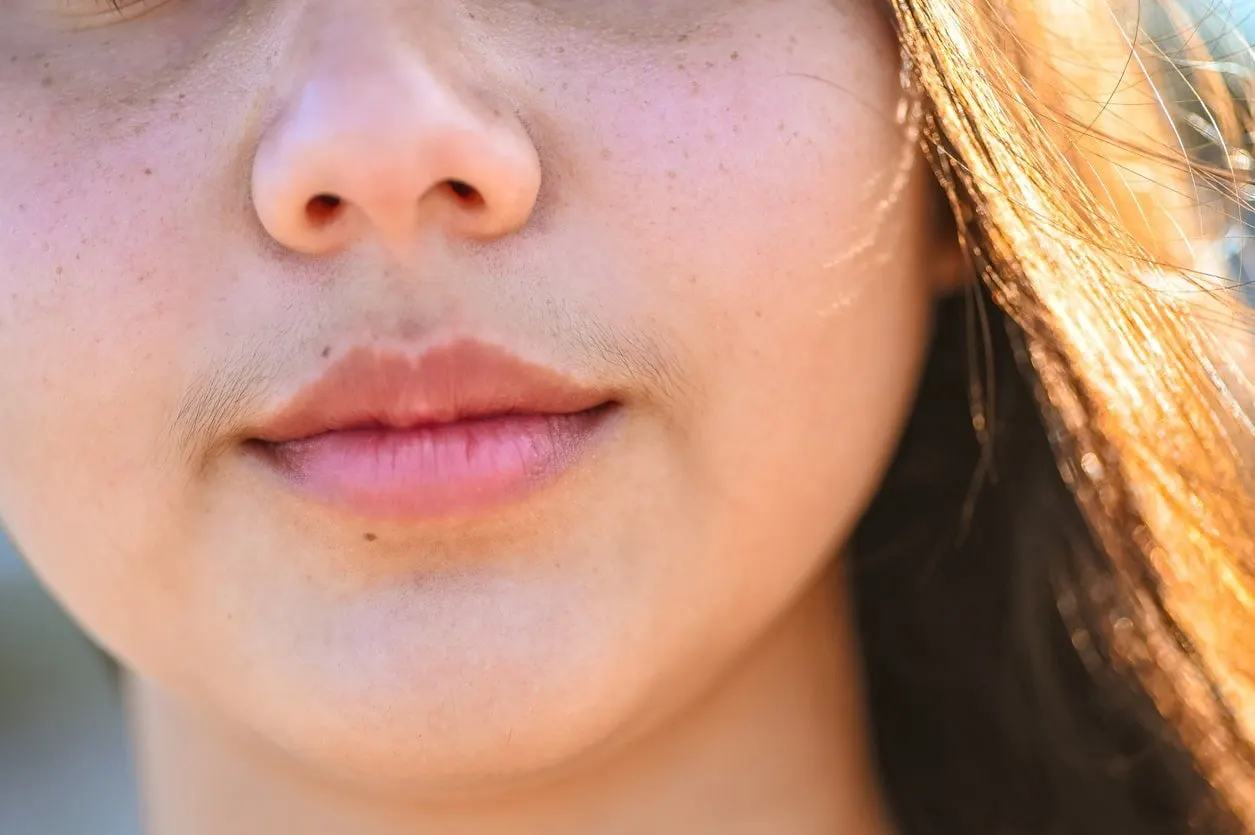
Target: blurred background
(60, 717)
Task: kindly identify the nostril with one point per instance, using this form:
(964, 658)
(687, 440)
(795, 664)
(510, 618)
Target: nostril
(465, 192)
(323, 208)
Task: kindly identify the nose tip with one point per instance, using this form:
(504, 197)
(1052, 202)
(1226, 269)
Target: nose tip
(354, 159)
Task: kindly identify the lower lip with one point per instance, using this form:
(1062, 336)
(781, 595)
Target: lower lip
(440, 470)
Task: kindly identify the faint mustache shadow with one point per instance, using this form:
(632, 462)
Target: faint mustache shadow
(219, 401)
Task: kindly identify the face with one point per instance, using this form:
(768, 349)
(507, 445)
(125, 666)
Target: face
(709, 215)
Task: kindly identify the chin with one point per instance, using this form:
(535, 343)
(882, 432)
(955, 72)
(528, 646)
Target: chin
(444, 692)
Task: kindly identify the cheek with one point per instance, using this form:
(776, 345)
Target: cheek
(94, 298)
(772, 157)
(776, 209)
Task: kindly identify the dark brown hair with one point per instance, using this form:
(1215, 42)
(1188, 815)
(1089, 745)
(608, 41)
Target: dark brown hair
(1054, 584)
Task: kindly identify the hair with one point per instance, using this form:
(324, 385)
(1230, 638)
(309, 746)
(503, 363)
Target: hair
(1056, 637)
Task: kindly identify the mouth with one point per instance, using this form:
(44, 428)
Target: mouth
(456, 431)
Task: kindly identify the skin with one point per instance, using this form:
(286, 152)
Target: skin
(707, 207)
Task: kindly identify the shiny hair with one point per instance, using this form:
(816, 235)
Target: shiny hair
(1059, 635)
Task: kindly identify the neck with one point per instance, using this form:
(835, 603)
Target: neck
(779, 745)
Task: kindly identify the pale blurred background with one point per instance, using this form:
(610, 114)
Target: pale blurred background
(64, 755)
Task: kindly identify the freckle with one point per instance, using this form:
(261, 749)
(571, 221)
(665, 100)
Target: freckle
(326, 352)
(60, 270)
(695, 88)
(758, 314)
(682, 38)
(47, 81)
(780, 126)
(681, 67)
(370, 537)
(560, 50)
(671, 175)
(182, 96)
(710, 65)
(148, 171)
(736, 56)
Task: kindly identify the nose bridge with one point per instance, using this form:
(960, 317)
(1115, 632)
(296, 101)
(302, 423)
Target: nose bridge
(379, 136)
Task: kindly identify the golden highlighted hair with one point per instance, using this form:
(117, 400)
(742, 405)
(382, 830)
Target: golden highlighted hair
(1095, 152)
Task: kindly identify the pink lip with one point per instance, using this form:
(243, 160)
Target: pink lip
(452, 432)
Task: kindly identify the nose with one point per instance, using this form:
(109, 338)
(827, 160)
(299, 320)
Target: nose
(378, 146)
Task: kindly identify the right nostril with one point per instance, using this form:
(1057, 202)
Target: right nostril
(323, 208)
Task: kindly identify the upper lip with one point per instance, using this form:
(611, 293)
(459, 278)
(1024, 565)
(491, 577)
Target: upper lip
(462, 380)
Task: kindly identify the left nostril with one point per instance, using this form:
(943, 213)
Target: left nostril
(323, 208)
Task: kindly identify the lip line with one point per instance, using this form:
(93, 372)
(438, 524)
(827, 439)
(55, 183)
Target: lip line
(388, 425)
(458, 382)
